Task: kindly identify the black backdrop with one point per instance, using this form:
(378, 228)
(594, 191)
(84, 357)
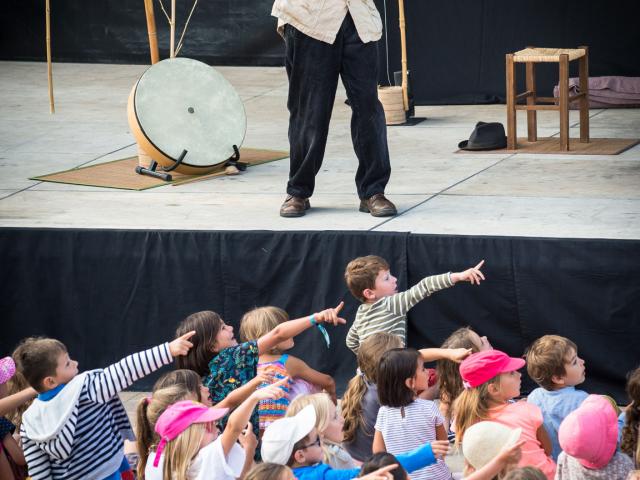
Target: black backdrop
(456, 49)
(107, 293)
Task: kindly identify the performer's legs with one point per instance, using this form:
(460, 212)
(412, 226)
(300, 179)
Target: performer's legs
(359, 72)
(313, 68)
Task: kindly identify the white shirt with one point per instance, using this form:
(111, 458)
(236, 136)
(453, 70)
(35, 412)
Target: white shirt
(208, 463)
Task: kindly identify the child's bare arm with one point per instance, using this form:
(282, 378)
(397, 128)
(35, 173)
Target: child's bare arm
(453, 354)
(472, 275)
(298, 368)
(378, 443)
(240, 394)
(14, 449)
(290, 329)
(545, 441)
(16, 400)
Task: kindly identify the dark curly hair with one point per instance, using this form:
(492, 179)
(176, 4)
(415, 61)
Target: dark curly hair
(629, 444)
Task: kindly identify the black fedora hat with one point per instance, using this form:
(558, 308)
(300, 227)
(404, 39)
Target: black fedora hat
(486, 136)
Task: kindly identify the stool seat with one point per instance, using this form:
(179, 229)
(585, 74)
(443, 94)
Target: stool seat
(547, 54)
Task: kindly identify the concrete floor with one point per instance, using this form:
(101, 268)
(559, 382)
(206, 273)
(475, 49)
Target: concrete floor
(435, 190)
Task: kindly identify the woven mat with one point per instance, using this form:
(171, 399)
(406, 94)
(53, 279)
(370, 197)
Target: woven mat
(121, 173)
(596, 146)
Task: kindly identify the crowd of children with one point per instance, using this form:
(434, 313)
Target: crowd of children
(251, 411)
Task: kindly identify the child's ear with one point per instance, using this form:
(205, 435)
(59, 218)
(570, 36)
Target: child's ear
(299, 456)
(368, 294)
(494, 388)
(410, 382)
(49, 382)
(558, 380)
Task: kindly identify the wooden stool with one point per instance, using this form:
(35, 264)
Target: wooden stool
(530, 56)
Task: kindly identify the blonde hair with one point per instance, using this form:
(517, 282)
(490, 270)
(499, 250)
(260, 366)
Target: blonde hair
(369, 354)
(180, 452)
(267, 471)
(322, 405)
(260, 321)
(472, 406)
(169, 389)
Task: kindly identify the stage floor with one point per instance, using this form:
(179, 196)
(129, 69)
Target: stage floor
(436, 190)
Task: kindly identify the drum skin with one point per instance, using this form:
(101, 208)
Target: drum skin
(182, 104)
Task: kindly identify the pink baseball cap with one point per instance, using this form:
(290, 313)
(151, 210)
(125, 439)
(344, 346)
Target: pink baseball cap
(180, 416)
(590, 432)
(481, 367)
(7, 369)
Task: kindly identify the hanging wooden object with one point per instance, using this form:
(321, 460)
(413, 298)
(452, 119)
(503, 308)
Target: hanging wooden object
(52, 107)
(403, 46)
(172, 34)
(151, 30)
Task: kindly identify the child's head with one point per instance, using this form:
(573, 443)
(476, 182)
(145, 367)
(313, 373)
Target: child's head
(270, 471)
(293, 441)
(401, 375)
(525, 473)
(260, 321)
(170, 388)
(449, 380)
(553, 363)
(369, 354)
(7, 371)
(329, 421)
(489, 378)
(483, 441)
(184, 428)
(212, 336)
(45, 363)
(630, 444)
(590, 432)
(369, 279)
(384, 459)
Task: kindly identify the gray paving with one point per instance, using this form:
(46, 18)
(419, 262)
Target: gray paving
(436, 190)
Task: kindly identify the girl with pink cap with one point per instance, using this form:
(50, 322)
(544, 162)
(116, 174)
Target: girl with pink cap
(12, 461)
(491, 381)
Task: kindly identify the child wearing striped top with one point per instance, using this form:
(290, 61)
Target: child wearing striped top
(76, 427)
(383, 309)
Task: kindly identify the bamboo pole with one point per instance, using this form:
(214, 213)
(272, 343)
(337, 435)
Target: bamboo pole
(172, 39)
(151, 29)
(403, 45)
(52, 107)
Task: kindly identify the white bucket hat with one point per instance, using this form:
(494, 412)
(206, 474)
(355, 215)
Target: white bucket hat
(280, 437)
(483, 441)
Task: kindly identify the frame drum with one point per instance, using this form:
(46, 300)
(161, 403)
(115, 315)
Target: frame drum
(181, 104)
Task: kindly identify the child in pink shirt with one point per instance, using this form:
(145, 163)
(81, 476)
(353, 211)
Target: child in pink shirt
(491, 380)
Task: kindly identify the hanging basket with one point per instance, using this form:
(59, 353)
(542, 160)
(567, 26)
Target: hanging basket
(391, 99)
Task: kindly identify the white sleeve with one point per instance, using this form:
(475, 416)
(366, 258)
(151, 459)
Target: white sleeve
(211, 462)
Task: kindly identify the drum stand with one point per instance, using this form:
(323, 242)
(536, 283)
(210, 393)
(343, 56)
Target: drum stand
(152, 170)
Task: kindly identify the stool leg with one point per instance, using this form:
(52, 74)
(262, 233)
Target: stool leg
(512, 135)
(584, 101)
(532, 115)
(564, 102)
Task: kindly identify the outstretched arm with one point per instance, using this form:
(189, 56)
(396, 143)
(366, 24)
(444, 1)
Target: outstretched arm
(290, 329)
(16, 400)
(453, 354)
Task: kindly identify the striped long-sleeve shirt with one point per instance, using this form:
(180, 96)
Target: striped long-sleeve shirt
(79, 433)
(389, 314)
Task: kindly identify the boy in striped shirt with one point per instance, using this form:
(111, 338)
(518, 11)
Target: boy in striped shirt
(76, 427)
(383, 309)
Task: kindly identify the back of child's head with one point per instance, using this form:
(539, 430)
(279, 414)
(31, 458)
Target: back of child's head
(480, 371)
(180, 452)
(483, 441)
(524, 473)
(206, 324)
(37, 359)
(369, 354)
(590, 432)
(361, 274)
(449, 380)
(380, 460)
(170, 388)
(321, 403)
(546, 358)
(260, 321)
(396, 366)
(269, 471)
(630, 444)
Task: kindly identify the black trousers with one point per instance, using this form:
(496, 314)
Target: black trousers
(313, 68)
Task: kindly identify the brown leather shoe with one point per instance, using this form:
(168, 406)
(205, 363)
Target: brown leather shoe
(378, 206)
(294, 206)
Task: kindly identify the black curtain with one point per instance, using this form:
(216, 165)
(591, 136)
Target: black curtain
(107, 293)
(455, 49)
